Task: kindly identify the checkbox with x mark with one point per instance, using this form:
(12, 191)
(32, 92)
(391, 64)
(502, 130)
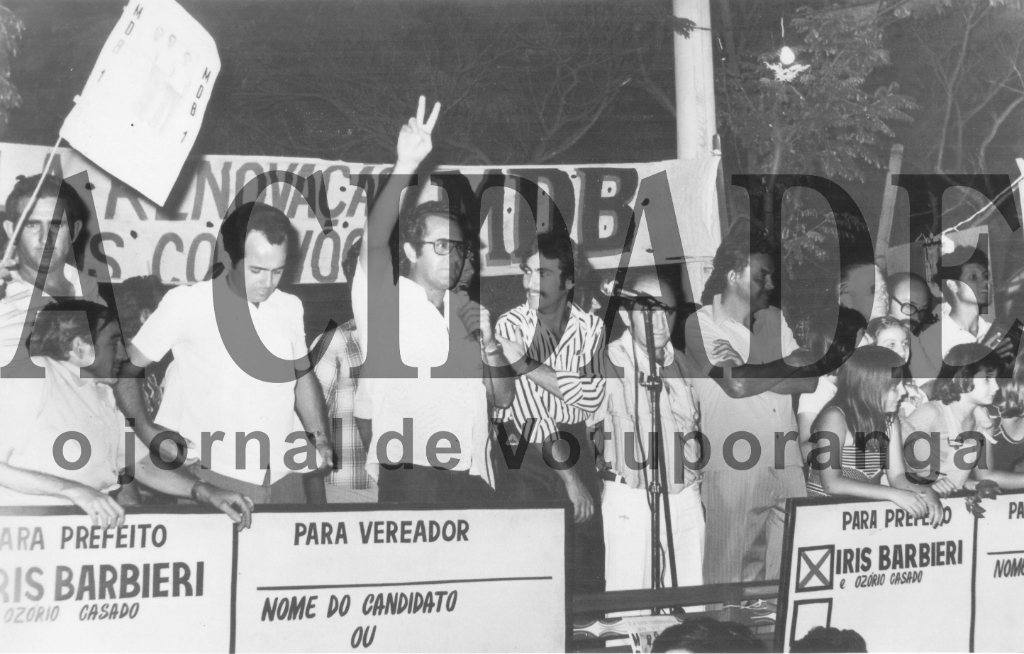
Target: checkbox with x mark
(814, 569)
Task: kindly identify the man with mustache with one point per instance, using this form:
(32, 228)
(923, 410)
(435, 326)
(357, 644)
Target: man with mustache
(557, 350)
(736, 343)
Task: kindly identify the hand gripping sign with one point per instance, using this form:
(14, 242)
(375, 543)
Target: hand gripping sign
(142, 107)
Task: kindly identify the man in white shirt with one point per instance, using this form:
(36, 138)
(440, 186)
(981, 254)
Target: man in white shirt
(629, 468)
(965, 287)
(224, 392)
(58, 215)
(429, 428)
(736, 342)
(64, 441)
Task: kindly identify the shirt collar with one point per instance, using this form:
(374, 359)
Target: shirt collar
(577, 317)
(410, 291)
(718, 314)
(949, 323)
(632, 346)
(69, 372)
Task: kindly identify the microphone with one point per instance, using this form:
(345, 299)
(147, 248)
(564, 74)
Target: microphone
(477, 334)
(613, 288)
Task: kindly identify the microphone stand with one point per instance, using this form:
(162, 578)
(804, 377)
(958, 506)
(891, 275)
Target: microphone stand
(657, 489)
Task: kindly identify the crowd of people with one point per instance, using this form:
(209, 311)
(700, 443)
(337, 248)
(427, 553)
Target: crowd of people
(530, 406)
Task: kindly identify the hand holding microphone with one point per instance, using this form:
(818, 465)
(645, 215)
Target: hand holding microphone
(475, 317)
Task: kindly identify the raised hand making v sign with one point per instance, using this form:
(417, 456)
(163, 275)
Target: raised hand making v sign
(435, 329)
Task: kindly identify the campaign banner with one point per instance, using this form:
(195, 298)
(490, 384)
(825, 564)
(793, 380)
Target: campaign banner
(674, 203)
(999, 580)
(401, 580)
(900, 583)
(159, 583)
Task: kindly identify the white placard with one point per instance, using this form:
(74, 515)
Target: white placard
(999, 581)
(143, 105)
(160, 583)
(442, 580)
(900, 583)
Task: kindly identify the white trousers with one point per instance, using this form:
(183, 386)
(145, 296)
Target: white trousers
(627, 537)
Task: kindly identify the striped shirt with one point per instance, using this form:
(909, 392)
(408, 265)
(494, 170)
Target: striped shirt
(577, 359)
(338, 373)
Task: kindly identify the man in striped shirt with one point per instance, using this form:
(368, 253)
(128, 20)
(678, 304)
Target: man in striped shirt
(557, 350)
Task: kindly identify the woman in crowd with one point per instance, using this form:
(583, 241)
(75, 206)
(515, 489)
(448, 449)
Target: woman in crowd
(860, 423)
(1008, 446)
(966, 383)
(843, 337)
(894, 335)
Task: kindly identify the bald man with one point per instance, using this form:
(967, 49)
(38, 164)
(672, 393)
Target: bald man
(627, 470)
(910, 299)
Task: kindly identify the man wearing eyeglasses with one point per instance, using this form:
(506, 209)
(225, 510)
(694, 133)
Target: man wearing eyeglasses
(626, 452)
(910, 300)
(429, 432)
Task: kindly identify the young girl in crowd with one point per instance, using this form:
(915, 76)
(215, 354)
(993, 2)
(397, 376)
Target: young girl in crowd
(860, 420)
(967, 382)
(843, 337)
(894, 335)
(1008, 445)
(1008, 437)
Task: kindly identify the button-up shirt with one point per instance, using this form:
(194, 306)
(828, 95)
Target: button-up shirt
(207, 391)
(621, 417)
(577, 359)
(762, 415)
(454, 404)
(338, 373)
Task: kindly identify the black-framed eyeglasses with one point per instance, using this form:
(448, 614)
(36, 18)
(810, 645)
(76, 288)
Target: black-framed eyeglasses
(908, 308)
(443, 246)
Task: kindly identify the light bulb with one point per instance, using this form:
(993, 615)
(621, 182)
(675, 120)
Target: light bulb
(786, 56)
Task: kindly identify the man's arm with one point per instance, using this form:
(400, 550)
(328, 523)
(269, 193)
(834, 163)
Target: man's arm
(132, 402)
(102, 508)
(414, 144)
(711, 353)
(312, 410)
(501, 389)
(173, 482)
(365, 428)
(582, 389)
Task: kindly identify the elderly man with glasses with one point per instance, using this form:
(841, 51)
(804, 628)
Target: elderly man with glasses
(910, 300)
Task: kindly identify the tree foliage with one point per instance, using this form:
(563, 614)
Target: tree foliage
(10, 33)
(826, 120)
